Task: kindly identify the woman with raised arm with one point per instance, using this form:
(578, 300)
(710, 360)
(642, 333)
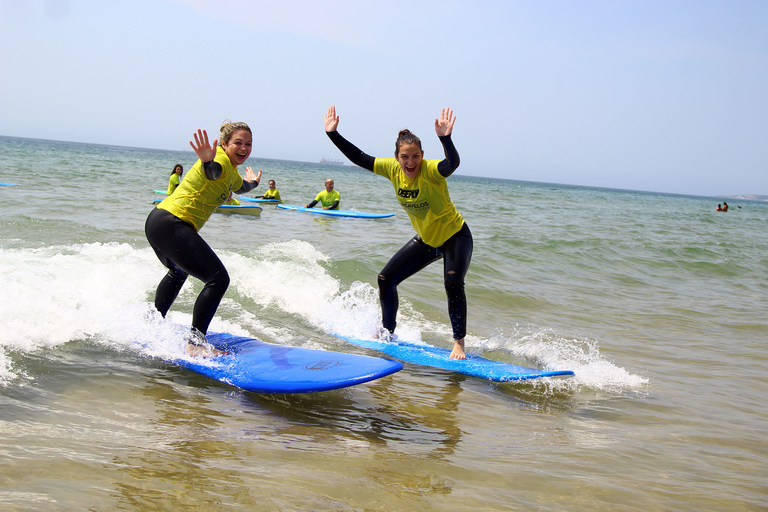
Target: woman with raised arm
(172, 228)
(422, 190)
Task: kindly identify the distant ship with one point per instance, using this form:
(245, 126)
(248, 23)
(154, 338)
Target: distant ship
(328, 161)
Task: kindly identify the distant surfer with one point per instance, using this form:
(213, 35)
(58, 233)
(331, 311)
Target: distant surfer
(172, 228)
(272, 192)
(329, 198)
(422, 190)
(175, 178)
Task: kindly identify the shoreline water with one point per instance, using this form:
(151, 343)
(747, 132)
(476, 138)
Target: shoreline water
(656, 301)
(190, 155)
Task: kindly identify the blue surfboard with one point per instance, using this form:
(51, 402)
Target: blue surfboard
(473, 365)
(336, 213)
(9, 184)
(258, 200)
(262, 367)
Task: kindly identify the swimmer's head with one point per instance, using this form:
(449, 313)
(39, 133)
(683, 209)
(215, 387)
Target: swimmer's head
(409, 153)
(236, 140)
(228, 128)
(406, 137)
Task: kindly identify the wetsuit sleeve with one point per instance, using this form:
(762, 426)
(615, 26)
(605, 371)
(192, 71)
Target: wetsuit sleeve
(452, 161)
(213, 170)
(312, 204)
(349, 150)
(247, 187)
(334, 206)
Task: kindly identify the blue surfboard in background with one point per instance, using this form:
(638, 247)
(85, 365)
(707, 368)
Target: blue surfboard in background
(335, 213)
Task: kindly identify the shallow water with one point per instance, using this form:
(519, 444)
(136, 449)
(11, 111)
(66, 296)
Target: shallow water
(655, 301)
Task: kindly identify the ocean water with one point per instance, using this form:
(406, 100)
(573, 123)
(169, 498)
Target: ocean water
(657, 302)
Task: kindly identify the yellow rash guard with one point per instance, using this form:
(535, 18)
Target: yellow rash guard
(425, 198)
(197, 197)
(328, 198)
(173, 182)
(272, 194)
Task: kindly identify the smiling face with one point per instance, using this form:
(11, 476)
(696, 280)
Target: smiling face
(410, 156)
(328, 185)
(238, 148)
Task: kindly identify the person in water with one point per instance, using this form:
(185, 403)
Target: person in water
(172, 228)
(329, 198)
(175, 178)
(421, 188)
(271, 193)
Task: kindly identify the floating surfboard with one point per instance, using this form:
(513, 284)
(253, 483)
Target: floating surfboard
(9, 184)
(263, 367)
(161, 192)
(240, 209)
(336, 213)
(258, 200)
(228, 209)
(473, 365)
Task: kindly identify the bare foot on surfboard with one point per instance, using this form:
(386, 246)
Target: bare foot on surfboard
(203, 351)
(458, 350)
(198, 346)
(383, 334)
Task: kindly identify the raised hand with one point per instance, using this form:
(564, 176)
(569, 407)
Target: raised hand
(444, 124)
(204, 151)
(251, 176)
(331, 119)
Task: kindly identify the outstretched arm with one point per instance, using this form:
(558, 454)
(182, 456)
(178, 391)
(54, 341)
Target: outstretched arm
(250, 182)
(349, 150)
(443, 129)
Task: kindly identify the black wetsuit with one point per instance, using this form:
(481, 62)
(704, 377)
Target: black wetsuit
(182, 250)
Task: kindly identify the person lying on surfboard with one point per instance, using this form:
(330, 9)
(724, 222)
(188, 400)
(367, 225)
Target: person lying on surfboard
(172, 227)
(422, 190)
(329, 198)
(271, 193)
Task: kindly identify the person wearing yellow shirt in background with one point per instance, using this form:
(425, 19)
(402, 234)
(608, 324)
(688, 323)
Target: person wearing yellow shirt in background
(422, 190)
(329, 198)
(173, 182)
(271, 193)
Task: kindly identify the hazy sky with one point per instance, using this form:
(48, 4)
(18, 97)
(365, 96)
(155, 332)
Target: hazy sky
(667, 95)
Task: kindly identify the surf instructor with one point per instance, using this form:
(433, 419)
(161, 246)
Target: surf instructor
(172, 228)
(422, 190)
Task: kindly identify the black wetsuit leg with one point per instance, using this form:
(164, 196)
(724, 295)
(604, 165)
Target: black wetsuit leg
(414, 256)
(457, 253)
(181, 249)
